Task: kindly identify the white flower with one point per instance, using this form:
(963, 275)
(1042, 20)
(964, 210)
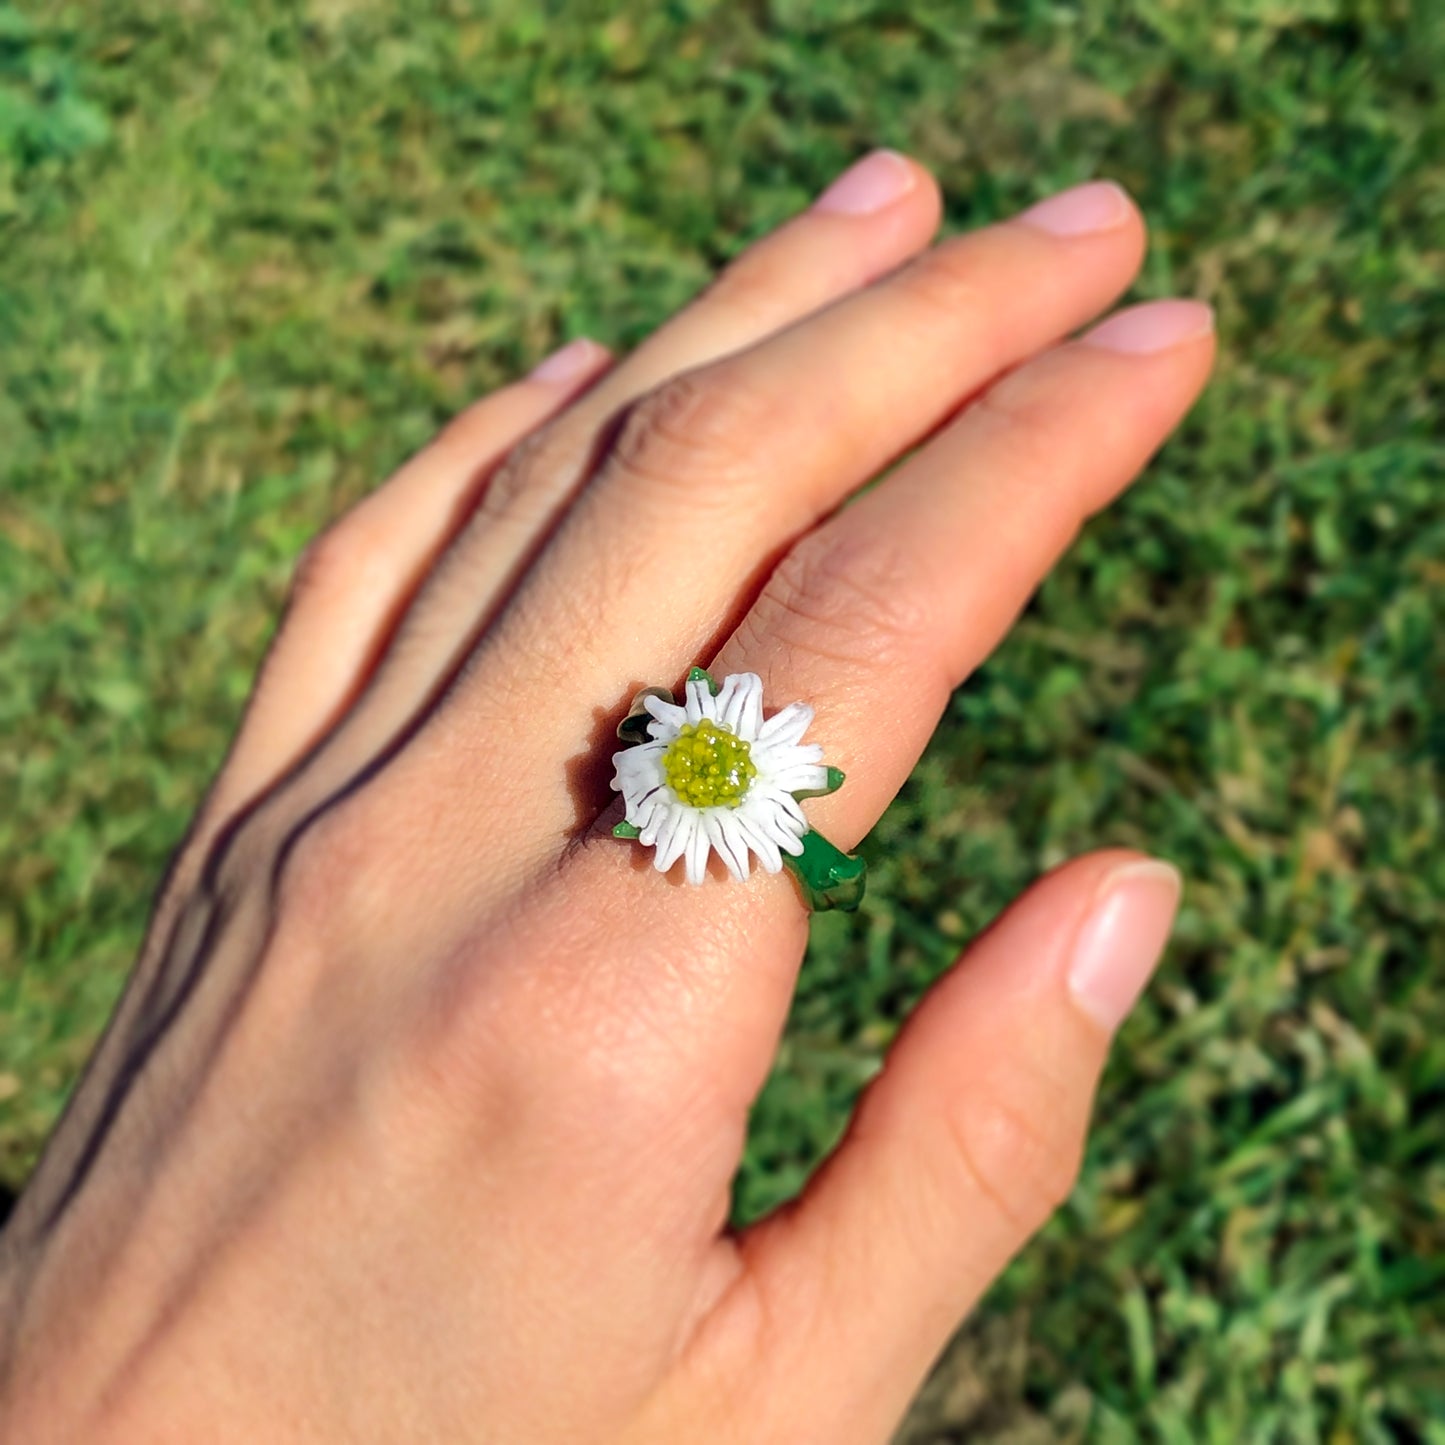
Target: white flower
(715, 776)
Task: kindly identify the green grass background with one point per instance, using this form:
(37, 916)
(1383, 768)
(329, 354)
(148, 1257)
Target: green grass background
(252, 253)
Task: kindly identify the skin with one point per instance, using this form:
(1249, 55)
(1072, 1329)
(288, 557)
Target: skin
(418, 1118)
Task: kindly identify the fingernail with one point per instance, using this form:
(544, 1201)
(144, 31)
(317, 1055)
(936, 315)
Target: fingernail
(1122, 938)
(567, 363)
(1094, 206)
(876, 181)
(1155, 326)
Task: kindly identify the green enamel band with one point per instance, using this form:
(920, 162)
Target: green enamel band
(827, 876)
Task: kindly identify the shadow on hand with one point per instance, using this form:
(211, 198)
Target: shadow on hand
(589, 773)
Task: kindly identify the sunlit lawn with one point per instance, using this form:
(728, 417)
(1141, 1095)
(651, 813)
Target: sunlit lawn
(252, 253)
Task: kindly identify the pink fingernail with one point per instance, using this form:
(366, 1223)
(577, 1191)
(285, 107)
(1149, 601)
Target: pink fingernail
(567, 363)
(1122, 939)
(876, 181)
(1094, 206)
(1155, 326)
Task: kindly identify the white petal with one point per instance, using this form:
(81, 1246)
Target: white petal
(646, 813)
(697, 851)
(667, 717)
(728, 695)
(660, 822)
(635, 796)
(728, 840)
(785, 755)
(800, 778)
(774, 761)
(672, 837)
(765, 818)
(638, 761)
(634, 800)
(637, 777)
(740, 704)
(784, 820)
(789, 725)
(793, 808)
(700, 702)
(759, 841)
(751, 723)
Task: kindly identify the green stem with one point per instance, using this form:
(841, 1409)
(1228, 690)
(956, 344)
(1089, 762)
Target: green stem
(828, 877)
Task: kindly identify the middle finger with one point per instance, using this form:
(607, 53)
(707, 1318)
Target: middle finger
(720, 469)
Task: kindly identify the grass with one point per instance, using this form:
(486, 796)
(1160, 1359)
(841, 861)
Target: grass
(251, 253)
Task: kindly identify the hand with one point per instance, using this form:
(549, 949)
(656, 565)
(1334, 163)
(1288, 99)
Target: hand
(418, 1118)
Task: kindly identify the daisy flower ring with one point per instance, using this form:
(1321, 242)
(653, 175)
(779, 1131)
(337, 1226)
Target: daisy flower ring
(712, 775)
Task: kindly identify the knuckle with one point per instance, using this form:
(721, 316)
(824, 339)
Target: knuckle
(330, 879)
(1013, 421)
(532, 475)
(1018, 1149)
(849, 599)
(696, 429)
(1013, 425)
(278, 866)
(348, 558)
(948, 282)
(477, 426)
(454, 1064)
(748, 290)
(948, 300)
(942, 281)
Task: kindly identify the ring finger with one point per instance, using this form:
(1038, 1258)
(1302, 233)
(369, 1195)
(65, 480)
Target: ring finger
(720, 470)
(881, 611)
(887, 607)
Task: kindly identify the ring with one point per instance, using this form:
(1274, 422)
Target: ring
(711, 775)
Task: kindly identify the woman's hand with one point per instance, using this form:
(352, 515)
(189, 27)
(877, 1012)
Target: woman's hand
(418, 1119)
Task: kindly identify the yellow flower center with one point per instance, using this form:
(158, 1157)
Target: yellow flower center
(708, 766)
